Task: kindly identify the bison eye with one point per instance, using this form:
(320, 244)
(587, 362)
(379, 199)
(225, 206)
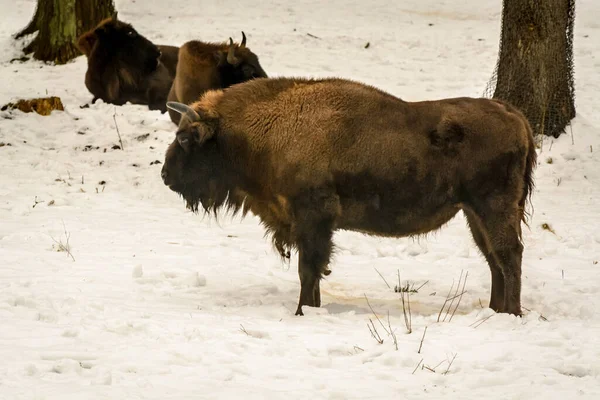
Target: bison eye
(131, 33)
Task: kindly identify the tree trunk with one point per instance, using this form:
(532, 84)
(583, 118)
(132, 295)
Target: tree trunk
(59, 23)
(535, 64)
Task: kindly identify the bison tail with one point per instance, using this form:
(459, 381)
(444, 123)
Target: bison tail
(528, 185)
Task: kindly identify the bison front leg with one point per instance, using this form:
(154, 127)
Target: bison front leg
(315, 213)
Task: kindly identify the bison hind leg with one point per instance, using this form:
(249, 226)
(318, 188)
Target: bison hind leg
(481, 240)
(496, 229)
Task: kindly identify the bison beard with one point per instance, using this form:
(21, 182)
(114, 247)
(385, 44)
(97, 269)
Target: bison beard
(311, 156)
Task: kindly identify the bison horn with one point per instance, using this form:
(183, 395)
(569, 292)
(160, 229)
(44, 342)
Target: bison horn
(243, 40)
(184, 109)
(231, 58)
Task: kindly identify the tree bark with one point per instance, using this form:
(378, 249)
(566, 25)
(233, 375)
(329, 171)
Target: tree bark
(59, 23)
(535, 65)
(91, 12)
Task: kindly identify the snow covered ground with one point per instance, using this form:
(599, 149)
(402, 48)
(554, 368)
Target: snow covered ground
(158, 303)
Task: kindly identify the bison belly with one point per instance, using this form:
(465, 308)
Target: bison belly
(394, 208)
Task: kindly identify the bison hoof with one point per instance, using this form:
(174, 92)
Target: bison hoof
(299, 311)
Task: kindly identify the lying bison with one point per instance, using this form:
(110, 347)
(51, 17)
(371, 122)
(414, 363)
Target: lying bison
(203, 66)
(309, 157)
(125, 66)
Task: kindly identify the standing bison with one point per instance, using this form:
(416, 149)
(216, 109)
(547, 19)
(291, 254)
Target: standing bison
(125, 66)
(203, 66)
(309, 157)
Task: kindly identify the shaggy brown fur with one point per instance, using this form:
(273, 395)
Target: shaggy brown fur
(124, 66)
(313, 156)
(205, 66)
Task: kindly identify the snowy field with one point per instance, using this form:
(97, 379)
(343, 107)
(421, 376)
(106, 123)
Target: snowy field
(159, 303)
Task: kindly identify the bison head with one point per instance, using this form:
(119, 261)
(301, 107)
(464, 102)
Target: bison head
(118, 40)
(193, 167)
(238, 64)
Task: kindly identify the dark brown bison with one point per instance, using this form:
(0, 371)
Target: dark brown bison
(125, 66)
(203, 66)
(309, 157)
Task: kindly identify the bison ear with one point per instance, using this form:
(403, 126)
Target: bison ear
(86, 42)
(186, 139)
(220, 57)
(193, 129)
(190, 134)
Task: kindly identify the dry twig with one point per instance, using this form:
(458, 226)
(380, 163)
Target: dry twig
(117, 126)
(380, 323)
(388, 285)
(374, 332)
(481, 321)
(417, 367)
(36, 202)
(66, 247)
(445, 301)
(407, 317)
(450, 364)
(451, 299)
(455, 296)
(422, 338)
(460, 297)
(392, 332)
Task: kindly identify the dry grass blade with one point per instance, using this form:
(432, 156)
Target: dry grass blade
(392, 332)
(460, 296)
(36, 202)
(417, 367)
(428, 368)
(388, 285)
(450, 364)
(117, 126)
(422, 338)
(407, 316)
(451, 299)
(481, 321)
(440, 363)
(407, 319)
(455, 296)
(445, 301)
(419, 288)
(66, 247)
(374, 332)
(381, 323)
